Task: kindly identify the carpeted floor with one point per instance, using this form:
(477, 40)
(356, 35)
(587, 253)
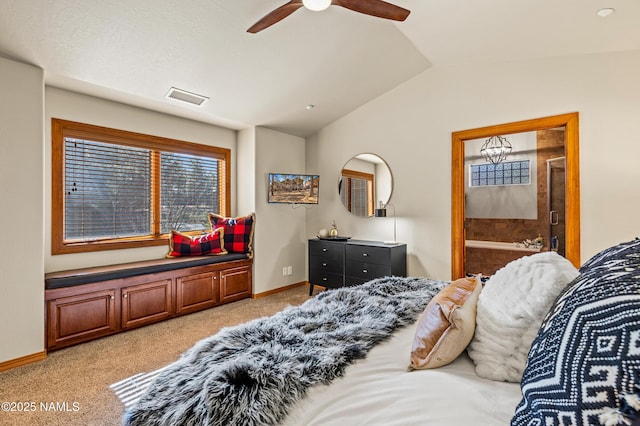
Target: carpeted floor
(73, 383)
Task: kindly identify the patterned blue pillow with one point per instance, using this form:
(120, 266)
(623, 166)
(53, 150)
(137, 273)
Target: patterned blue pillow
(584, 365)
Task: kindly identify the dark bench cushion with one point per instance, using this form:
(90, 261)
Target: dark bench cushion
(111, 272)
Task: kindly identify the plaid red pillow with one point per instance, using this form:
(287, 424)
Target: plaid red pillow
(238, 232)
(184, 245)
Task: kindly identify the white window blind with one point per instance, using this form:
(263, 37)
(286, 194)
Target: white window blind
(107, 190)
(359, 196)
(189, 191)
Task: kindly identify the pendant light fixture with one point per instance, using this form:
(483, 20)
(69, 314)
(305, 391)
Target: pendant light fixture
(496, 149)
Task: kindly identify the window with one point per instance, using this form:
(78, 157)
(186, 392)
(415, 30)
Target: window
(505, 173)
(115, 189)
(356, 192)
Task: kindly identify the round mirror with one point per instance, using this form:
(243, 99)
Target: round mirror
(365, 183)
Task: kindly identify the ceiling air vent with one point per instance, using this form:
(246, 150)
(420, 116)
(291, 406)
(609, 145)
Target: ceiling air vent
(184, 96)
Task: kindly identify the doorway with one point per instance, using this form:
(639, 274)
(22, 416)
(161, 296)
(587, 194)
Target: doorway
(566, 230)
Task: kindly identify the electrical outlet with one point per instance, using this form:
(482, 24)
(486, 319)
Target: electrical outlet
(289, 270)
(284, 271)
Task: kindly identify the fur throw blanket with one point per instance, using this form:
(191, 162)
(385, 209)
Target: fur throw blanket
(252, 373)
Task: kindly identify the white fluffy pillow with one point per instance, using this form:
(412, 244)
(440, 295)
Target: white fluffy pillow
(511, 308)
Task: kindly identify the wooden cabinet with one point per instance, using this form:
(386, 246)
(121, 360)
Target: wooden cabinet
(84, 312)
(334, 264)
(81, 317)
(197, 292)
(233, 284)
(146, 303)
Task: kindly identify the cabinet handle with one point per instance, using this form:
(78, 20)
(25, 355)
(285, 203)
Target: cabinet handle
(113, 297)
(125, 296)
(324, 264)
(365, 254)
(365, 271)
(324, 278)
(324, 249)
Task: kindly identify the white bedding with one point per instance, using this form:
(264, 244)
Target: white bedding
(380, 391)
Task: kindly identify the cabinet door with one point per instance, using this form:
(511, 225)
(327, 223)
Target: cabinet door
(146, 303)
(197, 292)
(235, 284)
(79, 318)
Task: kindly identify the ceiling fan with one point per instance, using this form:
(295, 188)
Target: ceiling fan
(378, 8)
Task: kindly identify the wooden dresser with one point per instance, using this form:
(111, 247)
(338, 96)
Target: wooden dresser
(339, 263)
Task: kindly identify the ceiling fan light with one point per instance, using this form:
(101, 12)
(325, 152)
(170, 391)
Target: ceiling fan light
(316, 5)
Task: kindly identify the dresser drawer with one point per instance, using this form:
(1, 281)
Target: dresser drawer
(368, 254)
(326, 264)
(366, 271)
(325, 279)
(326, 249)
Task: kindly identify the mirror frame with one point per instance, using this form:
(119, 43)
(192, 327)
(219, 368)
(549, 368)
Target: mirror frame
(572, 199)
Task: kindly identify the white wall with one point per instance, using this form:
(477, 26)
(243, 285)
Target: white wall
(246, 175)
(410, 127)
(280, 228)
(86, 109)
(22, 194)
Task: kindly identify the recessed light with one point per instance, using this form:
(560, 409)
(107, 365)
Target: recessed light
(603, 13)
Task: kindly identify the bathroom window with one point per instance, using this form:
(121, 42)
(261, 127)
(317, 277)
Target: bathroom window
(505, 173)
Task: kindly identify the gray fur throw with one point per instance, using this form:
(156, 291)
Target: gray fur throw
(252, 373)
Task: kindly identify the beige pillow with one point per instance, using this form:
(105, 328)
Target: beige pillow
(446, 326)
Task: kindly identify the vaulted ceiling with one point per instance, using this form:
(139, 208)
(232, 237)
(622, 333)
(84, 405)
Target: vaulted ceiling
(336, 60)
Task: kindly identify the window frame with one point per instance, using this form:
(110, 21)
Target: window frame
(369, 178)
(61, 129)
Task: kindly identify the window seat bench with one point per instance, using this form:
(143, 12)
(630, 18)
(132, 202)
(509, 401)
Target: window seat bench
(88, 303)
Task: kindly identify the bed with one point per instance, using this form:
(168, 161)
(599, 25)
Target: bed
(380, 391)
(357, 356)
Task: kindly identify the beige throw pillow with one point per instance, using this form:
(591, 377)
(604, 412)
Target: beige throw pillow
(446, 326)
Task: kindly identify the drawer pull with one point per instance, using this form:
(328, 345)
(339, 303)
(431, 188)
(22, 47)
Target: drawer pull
(324, 249)
(365, 254)
(365, 271)
(324, 264)
(324, 278)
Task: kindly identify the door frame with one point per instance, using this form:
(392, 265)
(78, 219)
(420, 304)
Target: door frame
(572, 200)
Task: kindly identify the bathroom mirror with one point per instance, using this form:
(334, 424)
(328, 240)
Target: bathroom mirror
(365, 181)
(519, 203)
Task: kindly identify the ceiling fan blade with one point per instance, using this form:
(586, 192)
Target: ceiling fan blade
(378, 8)
(276, 15)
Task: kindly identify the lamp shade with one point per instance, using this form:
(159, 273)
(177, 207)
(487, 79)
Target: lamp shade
(316, 5)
